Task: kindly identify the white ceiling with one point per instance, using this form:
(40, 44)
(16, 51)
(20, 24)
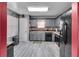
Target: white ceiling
(55, 8)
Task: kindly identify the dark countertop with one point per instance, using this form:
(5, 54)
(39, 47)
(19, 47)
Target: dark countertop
(57, 33)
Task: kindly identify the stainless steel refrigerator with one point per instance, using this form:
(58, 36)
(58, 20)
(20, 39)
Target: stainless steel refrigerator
(65, 39)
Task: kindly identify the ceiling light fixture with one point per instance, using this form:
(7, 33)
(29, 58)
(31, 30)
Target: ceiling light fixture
(38, 9)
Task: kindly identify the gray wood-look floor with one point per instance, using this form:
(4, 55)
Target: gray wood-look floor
(36, 49)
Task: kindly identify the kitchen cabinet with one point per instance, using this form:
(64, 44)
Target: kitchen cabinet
(57, 23)
(49, 23)
(41, 35)
(37, 35)
(33, 35)
(33, 23)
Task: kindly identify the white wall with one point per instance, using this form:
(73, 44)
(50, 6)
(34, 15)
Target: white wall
(13, 23)
(24, 29)
(13, 6)
(12, 26)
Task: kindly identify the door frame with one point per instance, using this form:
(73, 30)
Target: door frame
(3, 29)
(75, 29)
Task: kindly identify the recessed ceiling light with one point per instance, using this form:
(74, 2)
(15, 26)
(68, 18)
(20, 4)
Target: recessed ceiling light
(38, 9)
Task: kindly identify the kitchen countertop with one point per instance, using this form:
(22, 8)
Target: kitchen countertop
(58, 33)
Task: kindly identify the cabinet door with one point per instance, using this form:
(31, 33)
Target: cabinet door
(57, 22)
(41, 35)
(50, 23)
(31, 35)
(33, 22)
(35, 35)
(47, 23)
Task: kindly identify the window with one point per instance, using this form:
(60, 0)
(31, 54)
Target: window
(41, 23)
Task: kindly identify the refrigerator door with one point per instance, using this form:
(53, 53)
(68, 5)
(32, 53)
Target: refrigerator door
(62, 40)
(65, 40)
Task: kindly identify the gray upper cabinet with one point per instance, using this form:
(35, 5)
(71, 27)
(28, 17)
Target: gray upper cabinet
(49, 23)
(31, 35)
(52, 23)
(33, 23)
(57, 22)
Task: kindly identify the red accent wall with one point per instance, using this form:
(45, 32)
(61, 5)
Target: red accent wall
(75, 29)
(3, 29)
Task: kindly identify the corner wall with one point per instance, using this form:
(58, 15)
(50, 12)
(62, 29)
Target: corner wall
(24, 28)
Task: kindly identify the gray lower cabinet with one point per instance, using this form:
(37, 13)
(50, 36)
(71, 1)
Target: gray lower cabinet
(50, 23)
(37, 35)
(41, 35)
(33, 35)
(30, 35)
(57, 23)
(33, 23)
(10, 50)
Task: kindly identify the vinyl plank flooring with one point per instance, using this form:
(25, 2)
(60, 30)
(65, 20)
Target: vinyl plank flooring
(36, 49)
